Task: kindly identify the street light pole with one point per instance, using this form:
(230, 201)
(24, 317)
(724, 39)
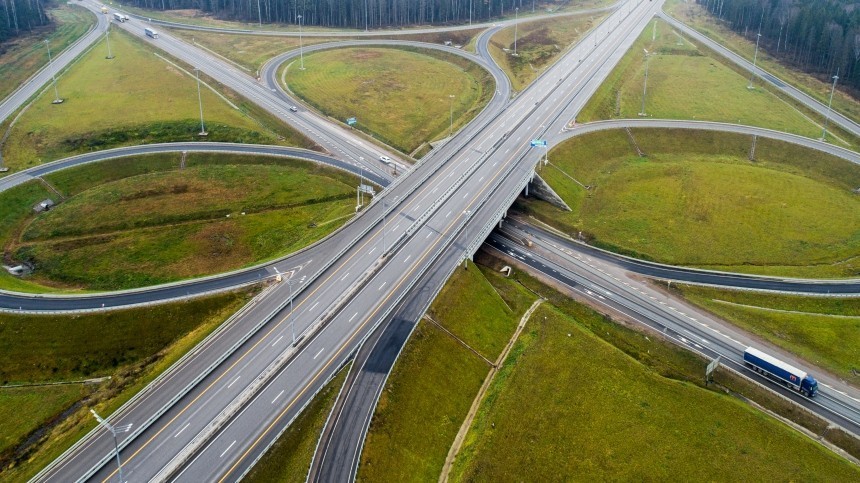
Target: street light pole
(200, 102)
(57, 99)
(259, 13)
(365, 15)
(755, 58)
(114, 431)
(451, 109)
(292, 320)
(829, 103)
(645, 84)
(516, 17)
(107, 39)
(470, 12)
(301, 53)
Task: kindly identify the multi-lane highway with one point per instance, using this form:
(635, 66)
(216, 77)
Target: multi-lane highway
(209, 417)
(436, 214)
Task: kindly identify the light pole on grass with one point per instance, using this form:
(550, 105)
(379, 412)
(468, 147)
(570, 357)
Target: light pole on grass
(259, 13)
(114, 430)
(755, 58)
(107, 39)
(200, 103)
(645, 84)
(470, 12)
(516, 17)
(301, 49)
(57, 99)
(829, 103)
(365, 15)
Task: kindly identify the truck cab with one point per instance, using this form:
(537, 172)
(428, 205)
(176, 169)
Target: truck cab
(809, 386)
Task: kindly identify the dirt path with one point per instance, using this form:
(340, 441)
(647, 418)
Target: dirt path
(476, 403)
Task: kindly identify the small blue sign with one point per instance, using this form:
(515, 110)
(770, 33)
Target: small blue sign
(351, 121)
(538, 142)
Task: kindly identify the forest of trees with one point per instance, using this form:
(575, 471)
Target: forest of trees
(18, 16)
(821, 37)
(355, 13)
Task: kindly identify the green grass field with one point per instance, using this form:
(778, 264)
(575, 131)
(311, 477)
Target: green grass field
(22, 56)
(824, 331)
(695, 16)
(139, 221)
(123, 101)
(435, 379)
(289, 459)
(398, 96)
(539, 43)
(132, 346)
(567, 403)
(696, 200)
(686, 81)
(22, 409)
(252, 51)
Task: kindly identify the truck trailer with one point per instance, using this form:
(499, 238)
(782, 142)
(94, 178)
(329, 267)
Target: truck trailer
(120, 17)
(792, 377)
(150, 33)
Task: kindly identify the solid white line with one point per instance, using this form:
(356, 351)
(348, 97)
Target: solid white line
(407, 258)
(353, 316)
(233, 382)
(314, 306)
(428, 235)
(344, 277)
(228, 449)
(371, 251)
(273, 344)
(276, 397)
(383, 284)
(181, 430)
(318, 353)
(449, 214)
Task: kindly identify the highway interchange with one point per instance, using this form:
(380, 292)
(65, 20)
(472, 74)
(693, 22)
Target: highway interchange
(193, 423)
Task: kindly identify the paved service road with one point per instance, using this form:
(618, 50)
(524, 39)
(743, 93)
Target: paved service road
(519, 229)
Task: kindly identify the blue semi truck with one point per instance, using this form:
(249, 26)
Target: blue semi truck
(792, 377)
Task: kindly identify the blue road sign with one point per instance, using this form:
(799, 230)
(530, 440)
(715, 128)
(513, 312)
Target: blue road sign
(351, 121)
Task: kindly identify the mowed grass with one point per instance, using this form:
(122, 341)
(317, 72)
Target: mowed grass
(152, 223)
(686, 81)
(131, 346)
(567, 403)
(398, 96)
(289, 459)
(824, 331)
(22, 56)
(132, 99)
(694, 15)
(696, 200)
(436, 378)
(539, 44)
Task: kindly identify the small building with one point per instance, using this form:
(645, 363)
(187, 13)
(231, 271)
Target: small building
(43, 205)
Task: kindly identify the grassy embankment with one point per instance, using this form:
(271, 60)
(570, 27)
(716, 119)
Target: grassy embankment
(539, 44)
(252, 51)
(824, 331)
(139, 221)
(289, 459)
(436, 377)
(399, 96)
(22, 56)
(131, 346)
(123, 101)
(696, 200)
(688, 81)
(694, 15)
(568, 403)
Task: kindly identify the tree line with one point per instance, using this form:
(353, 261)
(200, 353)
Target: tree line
(356, 14)
(20, 16)
(821, 37)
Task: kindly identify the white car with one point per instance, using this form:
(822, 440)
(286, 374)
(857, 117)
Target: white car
(386, 160)
(294, 108)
